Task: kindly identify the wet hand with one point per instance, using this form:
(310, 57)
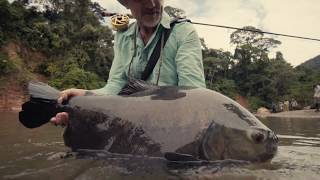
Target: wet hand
(63, 117)
(60, 119)
(68, 93)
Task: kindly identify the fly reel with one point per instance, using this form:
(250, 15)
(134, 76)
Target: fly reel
(120, 22)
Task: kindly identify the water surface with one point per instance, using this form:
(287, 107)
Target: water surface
(40, 154)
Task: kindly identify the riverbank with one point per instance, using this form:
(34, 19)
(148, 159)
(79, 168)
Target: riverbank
(13, 85)
(12, 95)
(299, 114)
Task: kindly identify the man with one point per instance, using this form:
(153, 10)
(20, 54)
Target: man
(294, 104)
(317, 96)
(273, 107)
(180, 62)
(286, 105)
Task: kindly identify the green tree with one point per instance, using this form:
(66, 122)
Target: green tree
(302, 88)
(251, 70)
(72, 36)
(218, 66)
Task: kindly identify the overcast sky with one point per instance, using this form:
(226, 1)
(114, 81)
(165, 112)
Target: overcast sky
(294, 17)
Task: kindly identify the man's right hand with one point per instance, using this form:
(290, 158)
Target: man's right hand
(60, 119)
(63, 117)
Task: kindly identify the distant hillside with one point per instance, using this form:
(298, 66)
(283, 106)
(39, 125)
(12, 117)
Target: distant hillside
(313, 63)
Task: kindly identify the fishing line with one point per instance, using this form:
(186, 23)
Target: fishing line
(257, 31)
(119, 17)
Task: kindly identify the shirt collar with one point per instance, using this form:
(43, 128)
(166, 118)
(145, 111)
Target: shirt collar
(165, 22)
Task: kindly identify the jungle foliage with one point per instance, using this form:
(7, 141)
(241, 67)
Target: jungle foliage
(79, 51)
(250, 72)
(70, 34)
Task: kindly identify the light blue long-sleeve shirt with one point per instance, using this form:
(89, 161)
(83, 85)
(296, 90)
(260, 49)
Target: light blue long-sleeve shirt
(181, 64)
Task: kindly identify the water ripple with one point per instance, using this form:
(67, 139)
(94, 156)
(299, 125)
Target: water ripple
(299, 140)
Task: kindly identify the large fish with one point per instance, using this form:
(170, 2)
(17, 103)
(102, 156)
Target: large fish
(180, 123)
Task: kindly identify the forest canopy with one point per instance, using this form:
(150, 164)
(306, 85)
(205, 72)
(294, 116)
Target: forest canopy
(79, 51)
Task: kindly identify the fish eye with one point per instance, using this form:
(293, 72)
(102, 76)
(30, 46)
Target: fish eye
(258, 137)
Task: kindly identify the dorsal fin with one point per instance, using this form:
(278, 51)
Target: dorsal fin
(135, 86)
(42, 91)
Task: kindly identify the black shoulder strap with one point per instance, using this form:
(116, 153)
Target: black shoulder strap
(156, 52)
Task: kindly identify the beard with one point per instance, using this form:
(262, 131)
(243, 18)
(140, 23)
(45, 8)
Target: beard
(151, 20)
(151, 17)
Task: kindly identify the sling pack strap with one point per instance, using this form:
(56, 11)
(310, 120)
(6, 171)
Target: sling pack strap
(157, 50)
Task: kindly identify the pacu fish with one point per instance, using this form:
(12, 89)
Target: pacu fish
(179, 123)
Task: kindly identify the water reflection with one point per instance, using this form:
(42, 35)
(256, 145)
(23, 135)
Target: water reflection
(297, 132)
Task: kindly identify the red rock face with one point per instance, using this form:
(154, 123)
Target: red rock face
(13, 85)
(12, 97)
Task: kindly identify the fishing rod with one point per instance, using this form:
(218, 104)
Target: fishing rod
(120, 22)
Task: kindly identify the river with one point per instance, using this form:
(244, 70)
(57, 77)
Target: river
(41, 154)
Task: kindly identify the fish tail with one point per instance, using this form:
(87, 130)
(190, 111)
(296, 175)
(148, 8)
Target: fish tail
(41, 107)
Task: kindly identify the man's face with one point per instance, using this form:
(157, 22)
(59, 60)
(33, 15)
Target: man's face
(147, 12)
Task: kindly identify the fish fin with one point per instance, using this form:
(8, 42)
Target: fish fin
(41, 107)
(172, 156)
(134, 86)
(42, 91)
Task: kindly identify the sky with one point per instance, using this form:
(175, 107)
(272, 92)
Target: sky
(294, 17)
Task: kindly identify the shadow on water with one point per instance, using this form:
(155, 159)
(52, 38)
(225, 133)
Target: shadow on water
(40, 154)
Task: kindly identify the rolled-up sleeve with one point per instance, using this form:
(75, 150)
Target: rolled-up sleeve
(117, 78)
(189, 57)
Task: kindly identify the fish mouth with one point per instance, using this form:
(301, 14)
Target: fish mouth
(265, 157)
(271, 152)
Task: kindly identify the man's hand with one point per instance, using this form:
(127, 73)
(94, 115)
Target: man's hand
(60, 119)
(63, 117)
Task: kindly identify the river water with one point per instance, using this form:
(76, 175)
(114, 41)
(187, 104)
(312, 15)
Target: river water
(40, 154)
